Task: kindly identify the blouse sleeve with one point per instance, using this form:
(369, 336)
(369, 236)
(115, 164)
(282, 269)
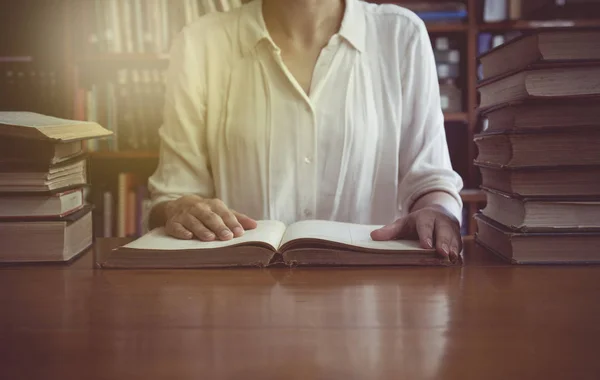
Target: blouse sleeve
(183, 165)
(424, 162)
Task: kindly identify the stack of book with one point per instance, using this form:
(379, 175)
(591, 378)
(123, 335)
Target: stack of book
(540, 154)
(43, 214)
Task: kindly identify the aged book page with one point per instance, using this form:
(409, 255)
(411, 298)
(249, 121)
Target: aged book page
(356, 235)
(268, 231)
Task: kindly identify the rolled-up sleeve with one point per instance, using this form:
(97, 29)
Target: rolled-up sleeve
(424, 159)
(183, 165)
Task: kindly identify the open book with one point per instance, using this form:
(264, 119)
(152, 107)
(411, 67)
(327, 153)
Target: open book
(311, 242)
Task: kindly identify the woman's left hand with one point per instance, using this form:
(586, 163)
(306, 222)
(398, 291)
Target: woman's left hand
(433, 226)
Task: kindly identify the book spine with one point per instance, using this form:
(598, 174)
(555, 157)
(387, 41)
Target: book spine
(164, 25)
(115, 22)
(109, 31)
(149, 43)
(447, 71)
(447, 56)
(127, 25)
(99, 9)
(141, 196)
(494, 10)
(107, 217)
(515, 9)
(450, 97)
(131, 213)
(139, 26)
(156, 29)
(124, 117)
(442, 16)
(122, 205)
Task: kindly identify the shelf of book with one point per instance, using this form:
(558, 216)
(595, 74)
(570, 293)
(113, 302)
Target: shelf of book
(537, 24)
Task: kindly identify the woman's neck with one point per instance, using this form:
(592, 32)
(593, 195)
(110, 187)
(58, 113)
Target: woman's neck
(306, 22)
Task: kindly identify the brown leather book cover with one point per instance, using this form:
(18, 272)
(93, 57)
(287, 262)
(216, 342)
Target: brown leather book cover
(543, 181)
(567, 80)
(551, 46)
(69, 218)
(543, 213)
(538, 148)
(537, 247)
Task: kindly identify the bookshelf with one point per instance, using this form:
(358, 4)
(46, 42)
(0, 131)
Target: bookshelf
(78, 63)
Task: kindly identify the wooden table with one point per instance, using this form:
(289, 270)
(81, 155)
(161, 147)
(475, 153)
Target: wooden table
(485, 320)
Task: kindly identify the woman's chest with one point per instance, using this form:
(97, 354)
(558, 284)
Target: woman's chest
(352, 105)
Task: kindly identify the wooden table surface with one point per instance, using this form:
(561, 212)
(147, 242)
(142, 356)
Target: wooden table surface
(485, 320)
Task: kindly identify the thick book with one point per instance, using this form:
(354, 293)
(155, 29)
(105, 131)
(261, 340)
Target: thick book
(303, 243)
(49, 240)
(546, 81)
(544, 46)
(581, 147)
(65, 175)
(20, 151)
(544, 115)
(37, 206)
(35, 126)
(548, 181)
(538, 247)
(542, 213)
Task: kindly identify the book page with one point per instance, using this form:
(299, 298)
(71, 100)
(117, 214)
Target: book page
(267, 231)
(34, 120)
(358, 235)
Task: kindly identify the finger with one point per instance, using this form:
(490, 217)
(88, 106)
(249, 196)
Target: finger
(212, 221)
(228, 218)
(443, 237)
(400, 228)
(199, 230)
(247, 222)
(455, 246)
(425, 226)
(177, 230)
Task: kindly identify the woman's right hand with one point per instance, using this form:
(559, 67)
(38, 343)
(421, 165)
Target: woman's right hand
(206, 219)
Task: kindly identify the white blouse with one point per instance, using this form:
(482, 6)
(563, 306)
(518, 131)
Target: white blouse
(362, 147)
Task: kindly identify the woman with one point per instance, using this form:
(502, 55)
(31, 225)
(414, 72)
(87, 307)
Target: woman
(306, 109)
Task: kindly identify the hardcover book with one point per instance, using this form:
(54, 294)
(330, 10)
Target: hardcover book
(302, 243)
